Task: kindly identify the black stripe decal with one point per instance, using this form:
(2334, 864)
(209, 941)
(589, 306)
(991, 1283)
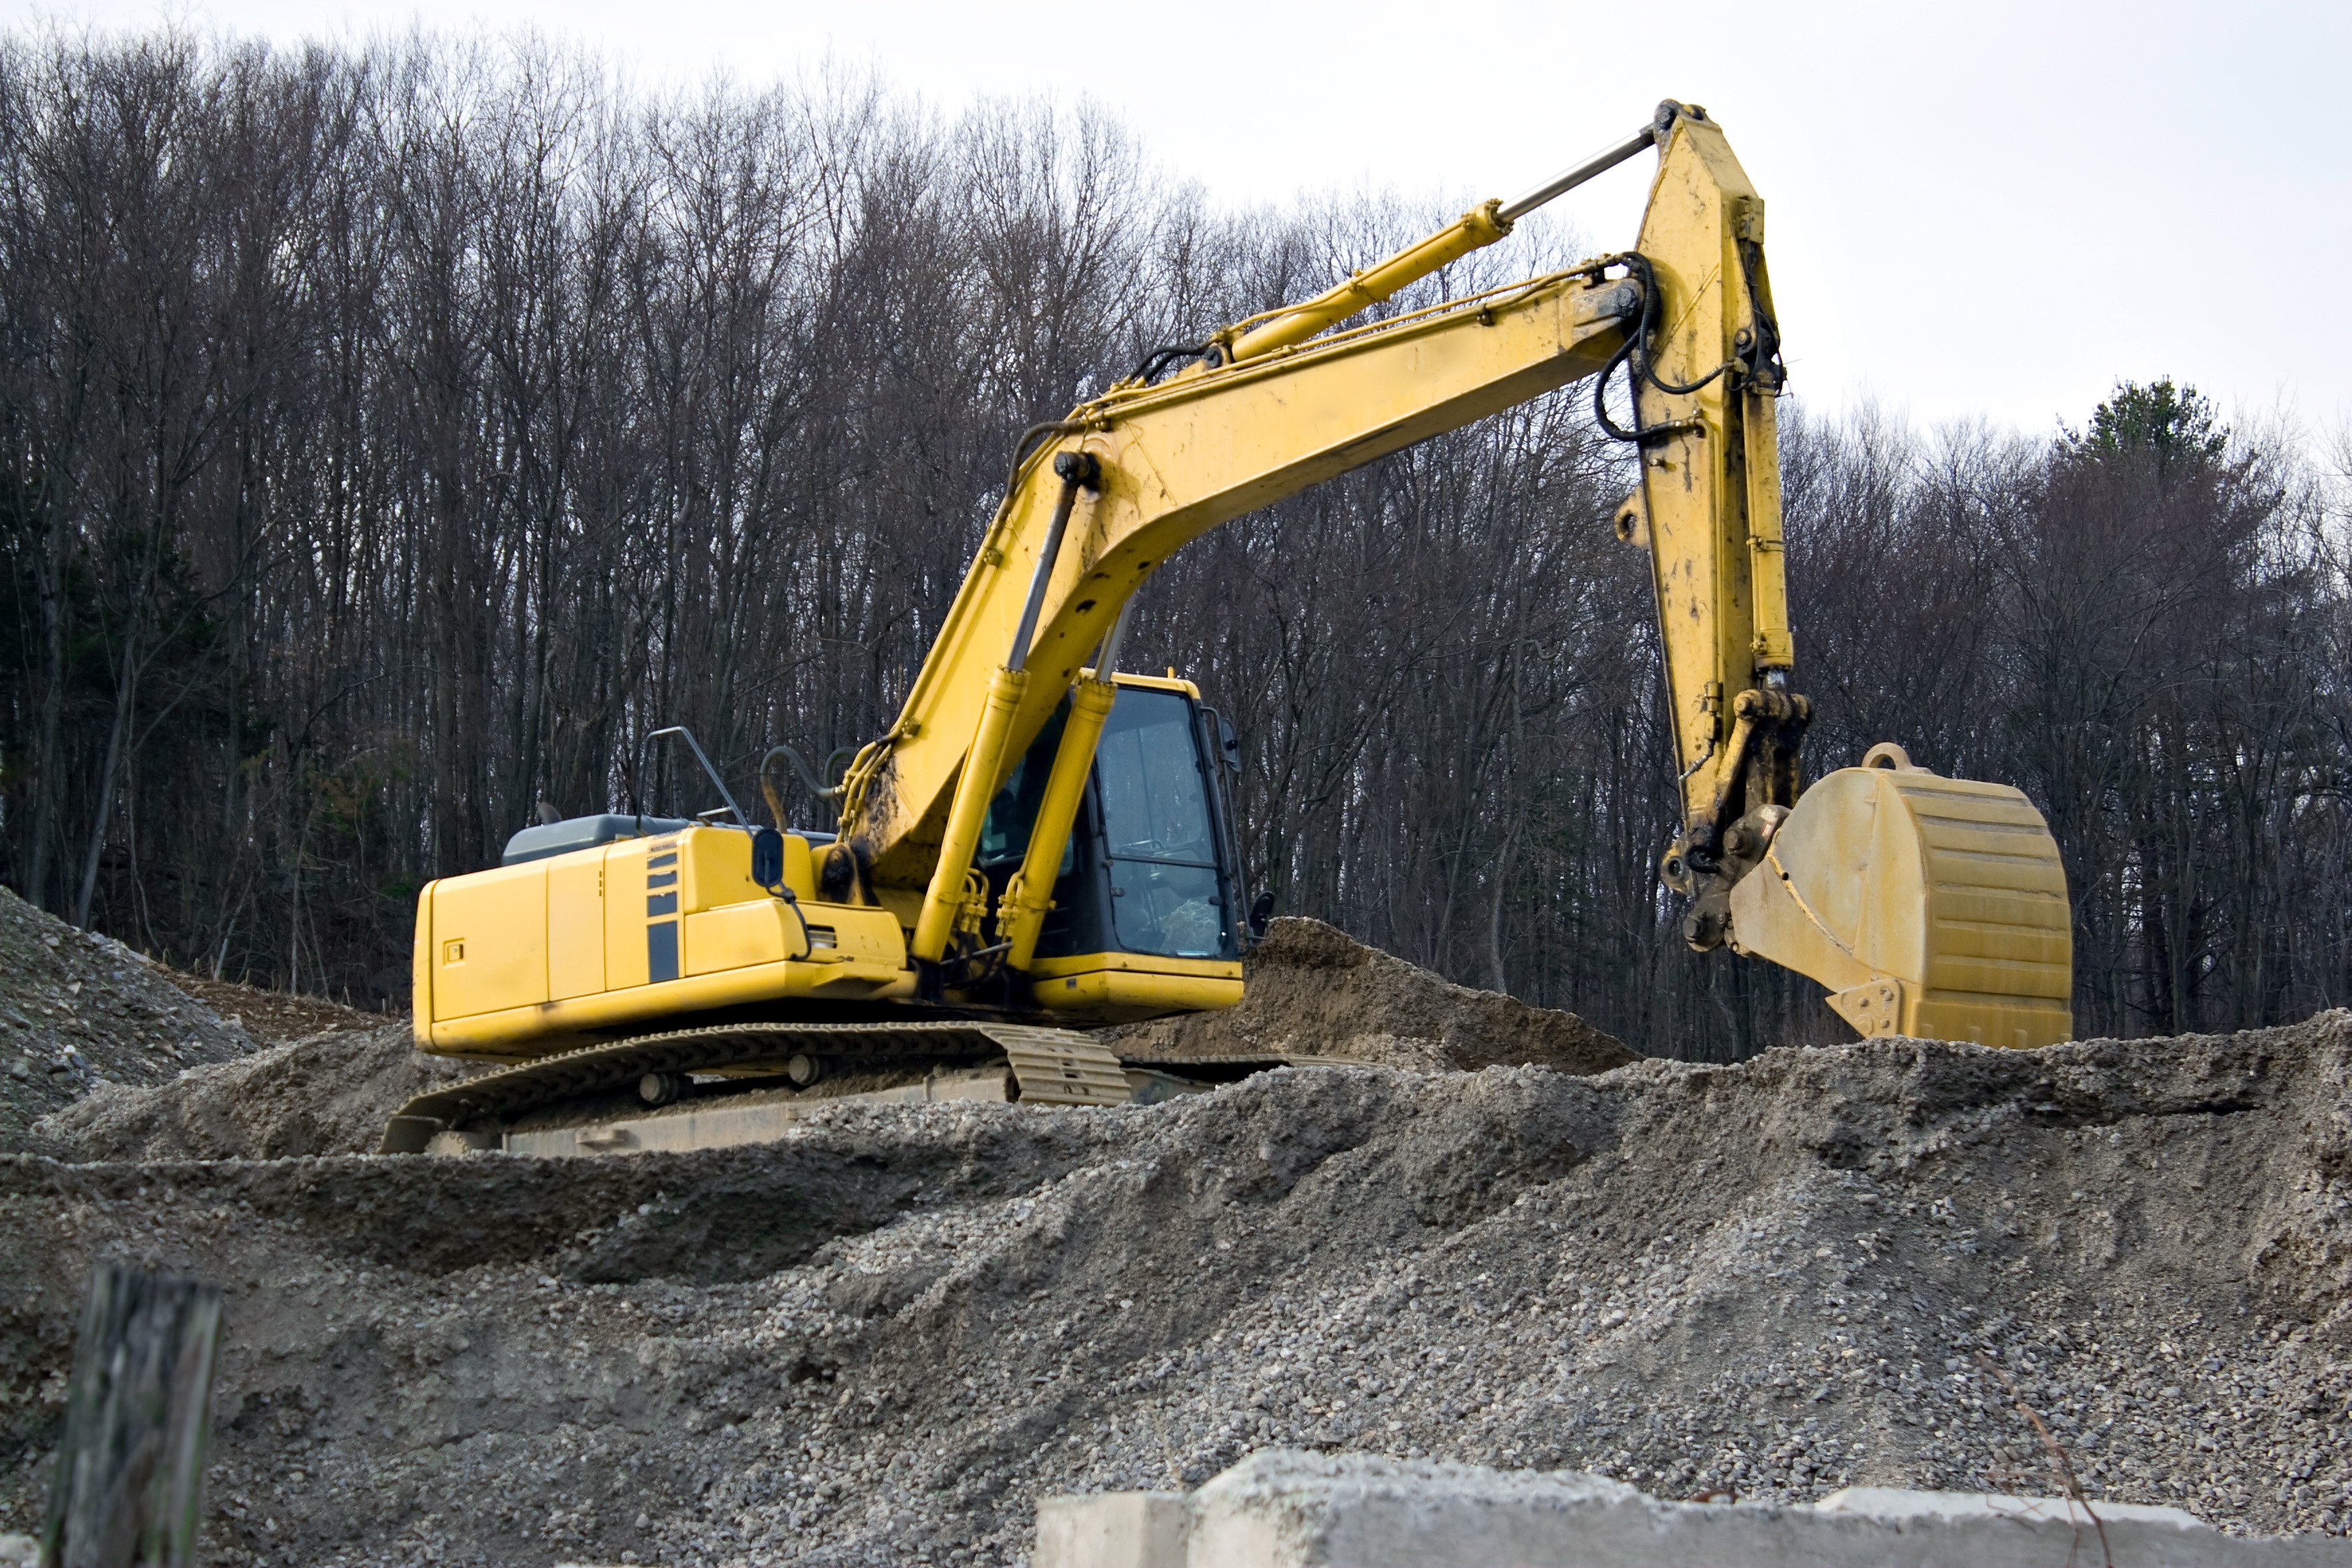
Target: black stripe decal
(661, 951)
(661, 904)
(662, 879)
(668, 859)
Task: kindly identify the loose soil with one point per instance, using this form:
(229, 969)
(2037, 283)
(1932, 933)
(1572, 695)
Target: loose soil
(1314, 991)
(881, 1338)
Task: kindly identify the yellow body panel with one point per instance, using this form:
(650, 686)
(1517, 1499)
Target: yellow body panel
(575, 925)
(1115, 987)
(715, 869)
(859, 935)
(632, 932)
(740, 936)
(422, 965)
(488, 939)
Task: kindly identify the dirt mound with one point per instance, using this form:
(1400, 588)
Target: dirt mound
(878, 1340)
(1314, 991)
(80, 1010)
(328, 1094)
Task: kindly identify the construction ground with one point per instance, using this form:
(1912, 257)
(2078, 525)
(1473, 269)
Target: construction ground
(1504, 1242)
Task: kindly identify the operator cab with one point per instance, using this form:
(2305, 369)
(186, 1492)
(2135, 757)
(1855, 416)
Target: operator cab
(1148, 901)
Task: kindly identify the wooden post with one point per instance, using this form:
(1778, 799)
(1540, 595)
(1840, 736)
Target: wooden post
(128, 1492)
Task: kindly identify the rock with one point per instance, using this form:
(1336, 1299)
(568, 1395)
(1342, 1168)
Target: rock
(77, 1008)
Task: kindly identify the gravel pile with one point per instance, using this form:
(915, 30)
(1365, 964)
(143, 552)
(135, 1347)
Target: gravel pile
(110, 1056)
(879, 1340)
(80, 1012)
(328, 1093)
(274, 1017)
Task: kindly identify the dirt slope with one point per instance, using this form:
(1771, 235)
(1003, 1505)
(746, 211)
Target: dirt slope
(1314, 991)
(878, 1341)
(272, 1017)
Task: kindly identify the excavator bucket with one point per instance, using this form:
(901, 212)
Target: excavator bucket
(1931, 908)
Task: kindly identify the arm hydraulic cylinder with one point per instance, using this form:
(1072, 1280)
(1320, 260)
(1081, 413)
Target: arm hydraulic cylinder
(1481, 226)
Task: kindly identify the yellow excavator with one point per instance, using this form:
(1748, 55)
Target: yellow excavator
(1042, 844)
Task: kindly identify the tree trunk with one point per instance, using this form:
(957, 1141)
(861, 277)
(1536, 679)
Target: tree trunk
(125, 692)
(127, 1492)
(53, 698)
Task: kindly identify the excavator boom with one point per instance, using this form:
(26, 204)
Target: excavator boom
(1171, 462)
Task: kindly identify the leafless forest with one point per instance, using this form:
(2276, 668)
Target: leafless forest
(393, 436)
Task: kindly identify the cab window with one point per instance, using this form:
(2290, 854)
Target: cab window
(1156, 822)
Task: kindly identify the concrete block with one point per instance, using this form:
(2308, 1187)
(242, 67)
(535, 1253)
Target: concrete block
(1894, 1502)
(1113, 1530)
(1284, 1509)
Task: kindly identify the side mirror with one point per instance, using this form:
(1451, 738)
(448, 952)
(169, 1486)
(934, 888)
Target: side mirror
(1260, 912)
(768, 859)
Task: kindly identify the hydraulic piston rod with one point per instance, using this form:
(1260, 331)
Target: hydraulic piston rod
(1600, 163)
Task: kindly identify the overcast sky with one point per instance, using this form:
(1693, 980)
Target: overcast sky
(1992, 210)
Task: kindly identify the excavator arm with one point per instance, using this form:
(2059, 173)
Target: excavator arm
(1927, 905)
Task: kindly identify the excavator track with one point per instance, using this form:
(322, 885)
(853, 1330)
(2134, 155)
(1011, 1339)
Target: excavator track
(1051, 1067)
